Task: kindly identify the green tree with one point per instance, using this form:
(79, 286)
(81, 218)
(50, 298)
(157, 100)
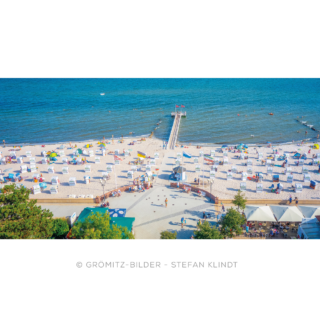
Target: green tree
(168, 235)
(97, 226)
(232, 222)
(207, 232)
(21, 218)
(240, 200)
(60, 228)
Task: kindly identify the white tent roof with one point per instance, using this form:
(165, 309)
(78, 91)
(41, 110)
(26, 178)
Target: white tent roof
(254, 213)
(310, 212)
(287, 214)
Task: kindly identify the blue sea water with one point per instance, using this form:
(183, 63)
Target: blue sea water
(58, 110)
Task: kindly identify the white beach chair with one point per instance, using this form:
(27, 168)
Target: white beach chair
(81, 196)
(89, 196)
(72, 195)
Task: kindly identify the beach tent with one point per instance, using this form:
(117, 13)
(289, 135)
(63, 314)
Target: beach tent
(259, 187)
(72, 181)
(305, 170)
(36, 176)
(130, 174)
(249, 162)
(23, 169)
(54, 190)
(32, 160)
(298, 187)
(28, 154)
(44, 161)
(79, 160)
(256, 213)
(196, 160)
(249, 169)
(306, 177)
(87, 168)
(156, 155)
(268, 163)
(134, 168)
(287, 214)
(33, 168)
(97, 160)
(212, 174)
(225, 160)
(61, 153)
(13, 154)
(152, 162)
(234, 169)
(201, 153)
(229, 175)
(36, 189)
(19, 160)
(212, 153)
(105, 174)
(290, 178)
(103, 152)
(244, 176)
(44, 153)
(242, 155)
(310, 212)
(260, 155)
(86, 179)
(179, 155)
(109, 168)
(269, 170)
(62, 146)
(65, 160)
(243, 186)
(225, 153)
(91, 153)
(50, 169)
(55, 181)
(288, 170)
(65, 170)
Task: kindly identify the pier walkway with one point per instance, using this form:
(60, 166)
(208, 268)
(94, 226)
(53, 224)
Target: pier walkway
(175, 129)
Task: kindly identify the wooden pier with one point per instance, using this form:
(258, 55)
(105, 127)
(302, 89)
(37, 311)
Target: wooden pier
(175, 129)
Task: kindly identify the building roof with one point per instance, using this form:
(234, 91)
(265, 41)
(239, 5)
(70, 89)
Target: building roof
(311, 228)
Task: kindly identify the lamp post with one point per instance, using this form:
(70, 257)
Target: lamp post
(103, 183)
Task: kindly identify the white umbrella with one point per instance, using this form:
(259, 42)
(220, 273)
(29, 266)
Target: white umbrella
(310, 212)
(254, 213)
(287, 214)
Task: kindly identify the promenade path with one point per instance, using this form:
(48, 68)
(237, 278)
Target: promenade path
(150, 212)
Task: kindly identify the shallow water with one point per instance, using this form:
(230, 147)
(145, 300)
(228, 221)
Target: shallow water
(57, 110)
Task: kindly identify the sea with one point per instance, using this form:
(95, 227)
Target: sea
(219, 111)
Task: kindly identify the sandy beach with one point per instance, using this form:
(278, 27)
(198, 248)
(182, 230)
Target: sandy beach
(223, 188)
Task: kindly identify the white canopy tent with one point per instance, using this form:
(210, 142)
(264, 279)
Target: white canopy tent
(287, 214)
(255, 213)
(310, 212)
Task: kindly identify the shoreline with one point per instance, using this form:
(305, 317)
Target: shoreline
(147, 136)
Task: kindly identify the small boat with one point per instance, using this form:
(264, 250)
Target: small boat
(102, 94)
(271, 114)
(252, 135)
(156, 128)
(309, 125)
(313, 129)
(303, 122)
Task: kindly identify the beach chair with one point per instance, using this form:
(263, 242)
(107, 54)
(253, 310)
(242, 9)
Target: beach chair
(11, 177)
(81, 196)
(72, 196)
(89, 196)
(272, 186)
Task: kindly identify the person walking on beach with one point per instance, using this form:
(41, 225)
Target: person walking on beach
(222, 206)
(166, 202)
(297, 201)
(4, 143)
(290, 199)
(182, 221)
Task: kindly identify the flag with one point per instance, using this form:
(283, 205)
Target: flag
(141, 154)
(177, 106)
(117, 158)
(182, 106)
(187, 155)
